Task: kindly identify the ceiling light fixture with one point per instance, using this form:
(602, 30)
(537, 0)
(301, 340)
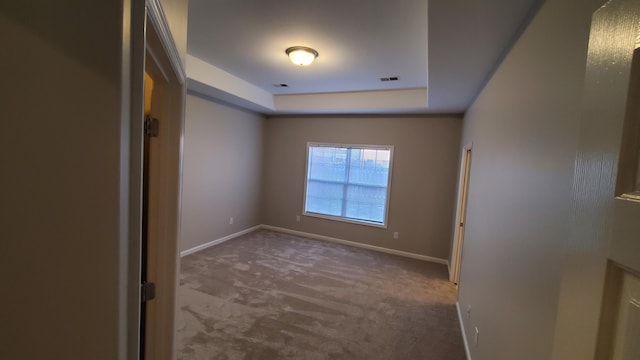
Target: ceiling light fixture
(301, 55)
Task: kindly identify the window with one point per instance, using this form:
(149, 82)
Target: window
(348, 182)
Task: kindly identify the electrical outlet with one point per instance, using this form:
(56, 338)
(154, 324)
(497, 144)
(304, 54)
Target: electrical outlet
(396, 235)
(468, 311)
(475, 340)
(298, 218)
(231, 220)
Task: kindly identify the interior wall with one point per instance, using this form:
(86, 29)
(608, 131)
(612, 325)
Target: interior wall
(60, 148)
(65, 153)
(423, 184)
(524, 129)
(222, 171)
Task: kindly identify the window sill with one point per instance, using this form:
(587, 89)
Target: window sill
(347, 220)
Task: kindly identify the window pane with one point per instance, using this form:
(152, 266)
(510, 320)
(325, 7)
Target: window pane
(366, 202)
(369, 166)
(327, 163)
(348, 182)
(324, 197)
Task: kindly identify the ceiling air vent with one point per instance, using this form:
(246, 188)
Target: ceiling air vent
(281, 85)
(389, 78)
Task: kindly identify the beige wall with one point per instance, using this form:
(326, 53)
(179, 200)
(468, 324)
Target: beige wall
(222, 172)
(64, 188)
(524, 128)
(60, 184)
(425, 165)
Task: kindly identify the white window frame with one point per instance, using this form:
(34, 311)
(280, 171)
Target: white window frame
(384, 224)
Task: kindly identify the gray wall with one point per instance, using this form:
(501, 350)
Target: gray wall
(222, 171)
(64, 150)
(425, 166)
(524, 128)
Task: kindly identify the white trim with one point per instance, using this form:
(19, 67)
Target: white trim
(219, 241)
(350, 145)
(356, 244)
(384, 222)
(343, 219)
(156, 15)
(464, 334)
(315, 237)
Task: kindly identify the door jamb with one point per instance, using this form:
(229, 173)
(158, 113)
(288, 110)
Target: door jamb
(458, 234)
(147, 18)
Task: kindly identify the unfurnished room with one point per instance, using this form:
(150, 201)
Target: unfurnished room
(316, 224)
(355, 179)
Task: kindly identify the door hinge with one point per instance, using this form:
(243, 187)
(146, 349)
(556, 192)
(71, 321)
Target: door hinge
(147, 291)
(151, 126)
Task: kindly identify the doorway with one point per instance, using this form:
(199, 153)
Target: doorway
(461, 210)
(157, 133)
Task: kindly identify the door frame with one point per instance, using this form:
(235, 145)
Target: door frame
(461, 210)
(153, 50)
(165, 175)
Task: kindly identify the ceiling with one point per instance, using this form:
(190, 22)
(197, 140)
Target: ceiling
(442, 52)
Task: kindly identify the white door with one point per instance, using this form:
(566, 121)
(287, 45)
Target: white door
(615, 42)
(627, 330)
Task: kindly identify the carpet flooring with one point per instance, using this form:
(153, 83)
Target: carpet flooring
(268, 295)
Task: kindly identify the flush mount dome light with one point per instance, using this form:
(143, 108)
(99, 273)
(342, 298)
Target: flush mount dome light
(301, 55)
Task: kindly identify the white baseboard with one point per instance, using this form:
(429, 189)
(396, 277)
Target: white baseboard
(356, 244)
(464, 334)
(316, 237)
(218, 241)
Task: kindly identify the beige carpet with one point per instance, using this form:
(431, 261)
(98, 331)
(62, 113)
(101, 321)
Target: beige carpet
(268, 295)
